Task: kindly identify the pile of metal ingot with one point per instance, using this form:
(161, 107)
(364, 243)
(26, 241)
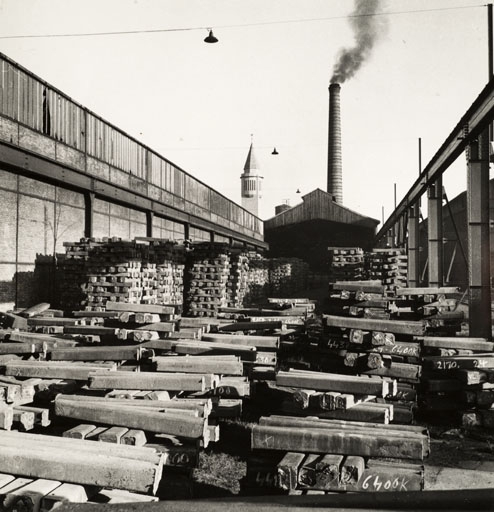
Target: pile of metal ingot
(287, 276)
(389, 266)
(238, 283)
(293, 455)
(149, 385)
(257, 279)
(207, 275)
(346, 263)
(138, 271)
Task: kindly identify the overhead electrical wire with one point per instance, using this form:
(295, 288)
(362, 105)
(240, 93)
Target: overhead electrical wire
(240, 25)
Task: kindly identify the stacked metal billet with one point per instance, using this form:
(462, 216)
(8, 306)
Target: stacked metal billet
(389, 266)
(358, 298)
(458, 377)
(293, 455)
(346, 263)
(208, 271)
(287, 276)
(257, 279)
(238, 282)
(138, 271)
(73, 269)
(169, 258)
(436, 306)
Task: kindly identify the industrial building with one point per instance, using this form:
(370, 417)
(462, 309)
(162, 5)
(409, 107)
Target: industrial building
(321, 221)
(183, 320)
(309, 228)
(65, 173)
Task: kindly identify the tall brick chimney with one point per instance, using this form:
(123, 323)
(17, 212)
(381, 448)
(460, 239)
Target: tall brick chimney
(335, 179)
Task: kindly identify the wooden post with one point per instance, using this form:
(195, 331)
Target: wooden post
(479, 275)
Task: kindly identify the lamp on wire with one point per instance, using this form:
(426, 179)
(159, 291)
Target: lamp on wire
(298, 191)
(210, 38)
(274, 152)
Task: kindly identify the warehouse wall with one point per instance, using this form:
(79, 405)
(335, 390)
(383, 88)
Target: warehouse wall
(114, 220)
(36, 218)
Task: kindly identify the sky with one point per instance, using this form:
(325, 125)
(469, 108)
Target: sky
(197, 104)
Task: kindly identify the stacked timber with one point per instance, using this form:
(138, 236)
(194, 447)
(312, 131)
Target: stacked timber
(287, 276)
(207, 275)
(308, 455)
(389, 266)
(346, 263)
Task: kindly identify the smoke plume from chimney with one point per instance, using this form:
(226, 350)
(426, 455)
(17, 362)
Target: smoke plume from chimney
(367, 30)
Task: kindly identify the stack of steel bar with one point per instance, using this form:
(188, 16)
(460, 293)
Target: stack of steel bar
(346, 263)
(112, 273)
(72, 275)
(315, 456)
(238, 283)
(436, 306)
(167, 395)
(258, 279)
(367, 346)
(358, 298)
(169, 258)
(207, 274)
(287, 276)
(389, 266)
(94, 272)
(458, 378)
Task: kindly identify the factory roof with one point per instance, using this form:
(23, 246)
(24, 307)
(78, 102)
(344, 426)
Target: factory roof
(319, 205)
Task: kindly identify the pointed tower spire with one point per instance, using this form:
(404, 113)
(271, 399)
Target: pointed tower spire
(251, 161)
(251, 182)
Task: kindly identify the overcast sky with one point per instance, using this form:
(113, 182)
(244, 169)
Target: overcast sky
(197, 104)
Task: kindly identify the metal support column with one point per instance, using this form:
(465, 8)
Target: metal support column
(149, 223)
(88, 214)
(435, 232)
(479, 289)
(186, 230)
(390, 237)
(413, 246)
